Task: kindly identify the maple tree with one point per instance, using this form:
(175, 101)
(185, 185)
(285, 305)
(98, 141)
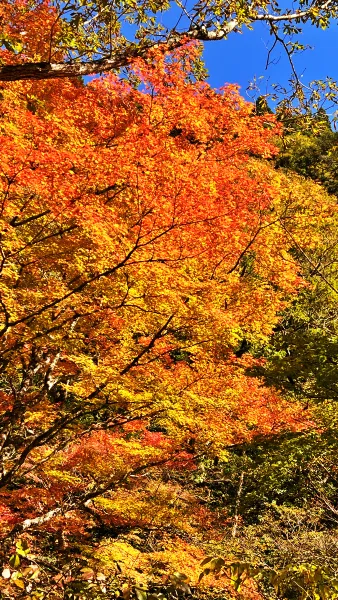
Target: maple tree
(146, 241)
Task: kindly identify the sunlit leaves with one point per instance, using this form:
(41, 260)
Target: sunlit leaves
(146, 242)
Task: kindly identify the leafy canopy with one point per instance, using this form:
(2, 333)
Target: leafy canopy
(146, 241)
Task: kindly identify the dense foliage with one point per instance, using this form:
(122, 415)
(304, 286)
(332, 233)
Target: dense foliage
(168, 340)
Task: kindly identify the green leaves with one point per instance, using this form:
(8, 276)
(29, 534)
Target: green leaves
(141, 593)
(21, 550)
(12, 44)
(312, 581)
(215, 566)
(236, 571)
(14, 561)
(23, 574)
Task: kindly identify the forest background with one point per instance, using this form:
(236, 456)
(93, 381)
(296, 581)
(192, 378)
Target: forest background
(168, 308)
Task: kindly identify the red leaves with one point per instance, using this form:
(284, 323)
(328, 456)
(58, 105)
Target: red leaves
(142, 241)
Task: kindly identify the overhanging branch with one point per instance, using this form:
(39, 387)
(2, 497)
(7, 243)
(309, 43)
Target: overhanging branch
(125, 56)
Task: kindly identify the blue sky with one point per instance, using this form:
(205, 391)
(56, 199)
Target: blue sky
(242, 57)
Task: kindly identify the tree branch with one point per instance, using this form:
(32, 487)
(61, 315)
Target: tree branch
(121, 58)
(149, 346)
(78, 501)
(124, 57)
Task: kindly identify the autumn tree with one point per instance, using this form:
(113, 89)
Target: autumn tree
(146, 243)
(144, 237)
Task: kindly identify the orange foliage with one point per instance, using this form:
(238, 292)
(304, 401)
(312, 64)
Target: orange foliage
(128, 217)
(142, 240)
